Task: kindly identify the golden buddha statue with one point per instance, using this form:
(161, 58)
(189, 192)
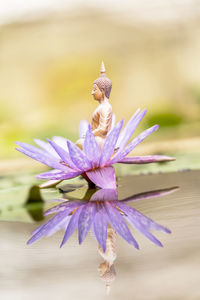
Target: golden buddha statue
(102, 116)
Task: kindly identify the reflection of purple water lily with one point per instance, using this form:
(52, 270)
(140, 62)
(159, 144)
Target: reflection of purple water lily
(95, 165)
(102, 210)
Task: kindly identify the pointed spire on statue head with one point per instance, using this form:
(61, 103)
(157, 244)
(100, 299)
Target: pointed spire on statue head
(103, 82)
(108, 288)
(103, 69)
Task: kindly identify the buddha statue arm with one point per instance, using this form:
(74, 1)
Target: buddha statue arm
(105, 121)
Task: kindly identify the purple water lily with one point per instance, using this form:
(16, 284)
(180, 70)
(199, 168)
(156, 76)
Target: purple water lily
(102, 210)
(95, 165)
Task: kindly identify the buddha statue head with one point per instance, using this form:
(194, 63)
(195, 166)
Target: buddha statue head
(107, 274)
(102, 86)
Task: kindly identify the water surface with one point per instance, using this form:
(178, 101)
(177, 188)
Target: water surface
(43, 270)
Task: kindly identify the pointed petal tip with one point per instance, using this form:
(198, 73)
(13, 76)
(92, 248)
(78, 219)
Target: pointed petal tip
(81, 239)
(37, 176)
(21, 150)
(29, 242)
(142, 113)
(103, 248)
(160, 244)
(121, 122)
(172, 158)
(136, 246)
(145, 110)
(61, 245)
(168, 158)
(21, 144)
(175, 188)
(168, 231)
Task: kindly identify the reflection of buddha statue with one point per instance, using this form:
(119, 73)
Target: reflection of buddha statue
(107, 269)
(102, 116)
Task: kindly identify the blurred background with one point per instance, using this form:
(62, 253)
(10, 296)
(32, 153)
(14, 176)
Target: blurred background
(50, 54)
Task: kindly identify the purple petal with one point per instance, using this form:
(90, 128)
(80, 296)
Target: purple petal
(118, 223)
(83, 127)
(43, 158)
(120, 155)
(85, 221)
(60, 141)
(48, 227)
(62, 225)
(113, 121)
(100, 228)
(144, 231)
(31, 148)
(105, 195)
(91, 148)
(72, 225)
(129, 129)
(103, 177)
(110, 142)
(150, 194)
(58, 175)
(146, 159)
(45, 146)
(78, 157)
(49, 183)
(65, 206)
(138, 219)
(63, 154)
